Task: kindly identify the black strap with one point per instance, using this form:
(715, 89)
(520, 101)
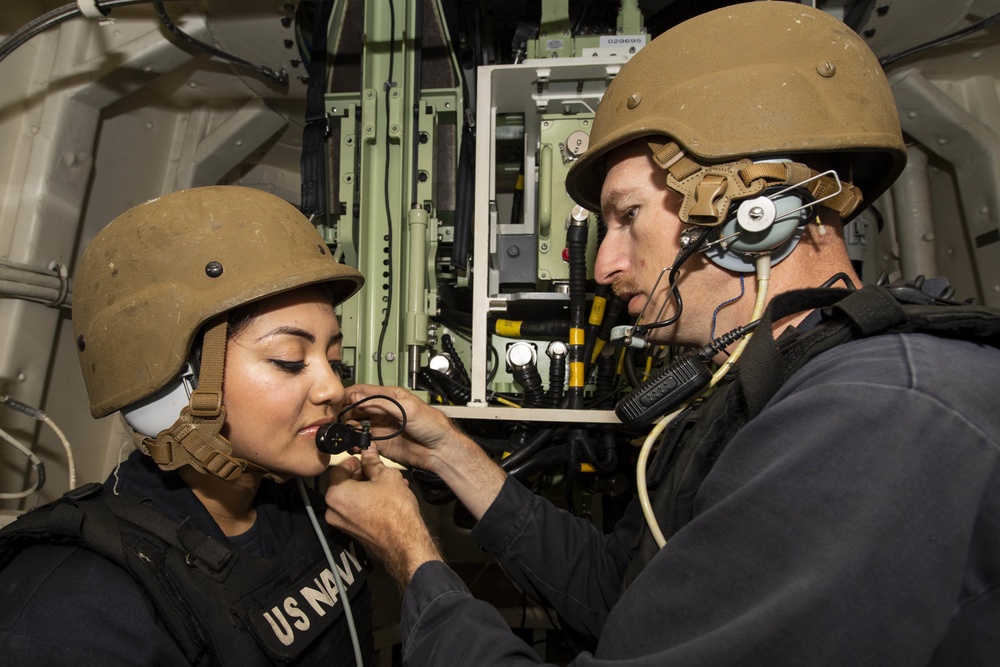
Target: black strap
(313, 160)
(871, 309)
(762, 371)
(465, 187)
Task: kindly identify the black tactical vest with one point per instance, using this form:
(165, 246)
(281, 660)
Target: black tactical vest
(694, 440)
(220, 603)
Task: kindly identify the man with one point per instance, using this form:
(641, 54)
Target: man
(835, 499)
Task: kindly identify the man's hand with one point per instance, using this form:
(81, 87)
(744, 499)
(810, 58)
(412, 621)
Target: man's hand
(427, 430)
(374, 504)
(430, 441)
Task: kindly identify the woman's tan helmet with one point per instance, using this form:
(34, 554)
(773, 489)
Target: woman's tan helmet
(160, 272)
(749, 81)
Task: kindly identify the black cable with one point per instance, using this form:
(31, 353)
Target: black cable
(530, 449)
(72, 10)
(629, 368)
(699, 236)
(429, 384)
(455, 391)
(449, 346)
(958, 34)
(36, 26)
(495, 357)
(554, 456)
(389, 85)
(457, 320)
(280, 77)
(402, 414)
(837, 277)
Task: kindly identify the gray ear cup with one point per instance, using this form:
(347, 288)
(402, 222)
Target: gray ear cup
(760, 225)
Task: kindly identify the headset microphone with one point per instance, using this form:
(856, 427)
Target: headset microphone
(337, 438)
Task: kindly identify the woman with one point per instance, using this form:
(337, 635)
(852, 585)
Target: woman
(207, 317)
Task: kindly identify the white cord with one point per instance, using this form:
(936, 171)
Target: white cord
(35, 462)
(70, 462)
(348, 614)
(640, 475)
(763, 279)
(35, 413)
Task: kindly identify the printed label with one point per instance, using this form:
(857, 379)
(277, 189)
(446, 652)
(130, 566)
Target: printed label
(294, 617)
(622, 40)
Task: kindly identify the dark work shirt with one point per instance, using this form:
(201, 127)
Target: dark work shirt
(855, 521)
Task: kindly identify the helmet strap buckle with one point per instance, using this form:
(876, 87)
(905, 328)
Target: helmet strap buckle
(709, 192)
(195, 439)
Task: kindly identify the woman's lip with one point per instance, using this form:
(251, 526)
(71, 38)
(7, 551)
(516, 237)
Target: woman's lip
(312, 428)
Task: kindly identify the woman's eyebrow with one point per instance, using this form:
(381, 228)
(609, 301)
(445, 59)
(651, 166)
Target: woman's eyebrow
(289, 331)
(301, 333)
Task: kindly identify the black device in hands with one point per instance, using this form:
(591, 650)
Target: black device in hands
(337, 438)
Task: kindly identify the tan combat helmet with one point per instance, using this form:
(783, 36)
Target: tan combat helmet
(164, 270)
(744, 83)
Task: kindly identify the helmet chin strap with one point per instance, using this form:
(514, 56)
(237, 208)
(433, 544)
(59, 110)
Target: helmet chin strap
(195, 439)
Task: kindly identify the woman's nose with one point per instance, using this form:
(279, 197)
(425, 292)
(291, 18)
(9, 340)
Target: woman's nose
(328, 387)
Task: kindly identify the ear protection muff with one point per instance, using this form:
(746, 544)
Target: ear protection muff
(770, 223)
(158, 412)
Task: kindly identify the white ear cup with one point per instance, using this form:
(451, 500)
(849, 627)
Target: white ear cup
(157, 413)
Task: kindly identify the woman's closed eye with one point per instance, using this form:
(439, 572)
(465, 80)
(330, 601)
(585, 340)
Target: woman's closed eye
(292, 367)
(342, 370)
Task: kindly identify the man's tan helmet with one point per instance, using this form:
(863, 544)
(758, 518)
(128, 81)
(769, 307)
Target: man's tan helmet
(158, 273)
(753, 80)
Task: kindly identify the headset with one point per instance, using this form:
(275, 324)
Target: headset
(761, 230)
(771, 224)
(158, 412)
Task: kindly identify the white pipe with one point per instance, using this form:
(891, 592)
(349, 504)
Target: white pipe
(914, 218)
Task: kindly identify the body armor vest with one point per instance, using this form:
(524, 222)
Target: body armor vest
(697, 437)
(221, 604)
